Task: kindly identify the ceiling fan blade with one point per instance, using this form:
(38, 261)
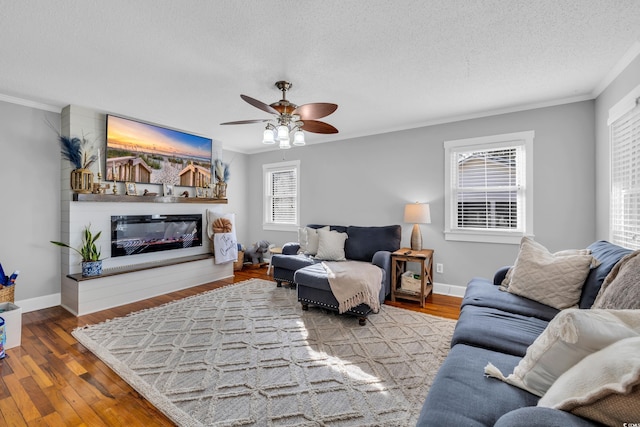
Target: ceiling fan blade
(244, 122)
(316, 110)
(259, 104)
(316, 126)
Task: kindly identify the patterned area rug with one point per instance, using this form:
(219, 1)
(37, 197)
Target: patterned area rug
(247, 354)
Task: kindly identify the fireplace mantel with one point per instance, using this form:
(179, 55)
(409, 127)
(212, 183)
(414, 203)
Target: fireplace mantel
(116, 198)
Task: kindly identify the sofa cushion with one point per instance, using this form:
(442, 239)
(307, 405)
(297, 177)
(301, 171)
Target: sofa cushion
(532, 416)
(607, 255)
(604, 386)
(621, 288)
(331, 245)
(544, 277)
(292, 262)
(481, 292)
(363, 242)
(570, 336)
(461, 396)
(497, 330)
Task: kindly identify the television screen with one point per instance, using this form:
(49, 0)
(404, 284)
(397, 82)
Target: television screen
(145, 153)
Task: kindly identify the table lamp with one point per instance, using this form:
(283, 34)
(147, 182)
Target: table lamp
(417, 213)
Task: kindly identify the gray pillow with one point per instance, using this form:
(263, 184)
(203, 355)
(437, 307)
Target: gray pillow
(621, 288)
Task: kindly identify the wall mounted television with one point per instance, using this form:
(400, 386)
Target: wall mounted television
(145, 153)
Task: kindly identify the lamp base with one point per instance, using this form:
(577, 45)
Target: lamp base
(416, 238)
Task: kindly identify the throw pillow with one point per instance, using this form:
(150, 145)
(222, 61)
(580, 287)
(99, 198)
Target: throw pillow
(569, 337)
(302, 239)
(331, 245)
(549, 279)
(313, 239)
(504, 285)
(621, 287)
(604, 386)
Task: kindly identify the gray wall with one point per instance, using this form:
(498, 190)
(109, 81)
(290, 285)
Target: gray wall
(623, 84)
(367, 181)
(30, 212)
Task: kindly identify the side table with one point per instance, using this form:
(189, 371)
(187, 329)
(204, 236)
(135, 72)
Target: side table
(399, 260)
(273, 251)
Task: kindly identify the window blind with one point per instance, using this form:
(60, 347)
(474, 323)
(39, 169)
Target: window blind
(488, 189)
(625, 179)
(283, 197)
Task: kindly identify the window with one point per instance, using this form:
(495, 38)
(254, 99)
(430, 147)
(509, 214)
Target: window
(281, 195)
(624, 121)
(488, 191)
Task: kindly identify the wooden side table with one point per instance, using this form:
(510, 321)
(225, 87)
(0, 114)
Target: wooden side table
(273, 251)
(399, 260)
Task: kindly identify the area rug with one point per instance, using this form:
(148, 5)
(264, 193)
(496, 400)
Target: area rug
(247, 355)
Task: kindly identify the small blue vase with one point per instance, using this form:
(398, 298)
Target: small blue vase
(91, 268)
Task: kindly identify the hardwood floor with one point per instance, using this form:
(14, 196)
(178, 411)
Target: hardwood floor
(52, 380)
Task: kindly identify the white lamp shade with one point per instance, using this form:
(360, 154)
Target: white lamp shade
(268, 137)
(284, 144)
(283, 133)
(298, 138)
(417, 213)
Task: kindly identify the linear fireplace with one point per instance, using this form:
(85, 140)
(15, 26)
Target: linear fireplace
(139, 234)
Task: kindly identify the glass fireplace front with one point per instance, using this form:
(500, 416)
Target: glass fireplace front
(139, 234)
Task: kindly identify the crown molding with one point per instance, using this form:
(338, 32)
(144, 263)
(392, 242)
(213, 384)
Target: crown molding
(28, 103)
(621, 65)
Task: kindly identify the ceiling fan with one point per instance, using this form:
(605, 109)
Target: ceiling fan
(290, 118)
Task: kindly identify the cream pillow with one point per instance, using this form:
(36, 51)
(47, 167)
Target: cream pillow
(331, 245)
(621, 287)
(313, 239)
(549, 279)
(504, 285)
(567, 339)
(604, 386)
(302, 239)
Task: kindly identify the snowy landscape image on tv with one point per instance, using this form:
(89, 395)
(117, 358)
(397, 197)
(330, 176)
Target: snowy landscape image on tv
(145, 153)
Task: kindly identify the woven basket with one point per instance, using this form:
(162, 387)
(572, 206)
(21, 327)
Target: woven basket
(6, 293)
(237, 265)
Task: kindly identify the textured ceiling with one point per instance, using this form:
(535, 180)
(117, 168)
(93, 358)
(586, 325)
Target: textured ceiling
(389, 65)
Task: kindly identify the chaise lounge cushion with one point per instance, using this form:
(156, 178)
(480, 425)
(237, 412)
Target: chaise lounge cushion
(462, 396)
(481, 292)
(497, 330)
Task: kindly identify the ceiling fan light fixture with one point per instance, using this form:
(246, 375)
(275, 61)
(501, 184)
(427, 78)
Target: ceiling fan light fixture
(298, 138)
(268, 137)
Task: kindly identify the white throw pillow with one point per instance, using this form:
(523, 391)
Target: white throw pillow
(302, 240)
(544, 277)
(604, 386)
(313, 239)
(331, 245)
(621, 287)
(570, 336)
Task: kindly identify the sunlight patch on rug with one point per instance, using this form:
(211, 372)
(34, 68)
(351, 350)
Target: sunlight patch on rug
(247, 355)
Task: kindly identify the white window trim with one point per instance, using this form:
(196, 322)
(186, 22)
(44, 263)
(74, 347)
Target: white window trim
(524, 138)
(274, 167)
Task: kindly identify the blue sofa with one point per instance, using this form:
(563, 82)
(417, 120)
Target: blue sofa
(498, 326)
(304, 272)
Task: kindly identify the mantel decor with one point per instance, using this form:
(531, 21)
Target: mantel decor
(75, 150)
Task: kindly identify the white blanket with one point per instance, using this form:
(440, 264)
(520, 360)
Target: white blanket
(354, 283)
(225, 247)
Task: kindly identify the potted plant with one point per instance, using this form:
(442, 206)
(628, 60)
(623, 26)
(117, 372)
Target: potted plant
(91, 262)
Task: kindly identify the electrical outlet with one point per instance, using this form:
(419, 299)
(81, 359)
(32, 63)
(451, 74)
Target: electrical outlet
(439, 268)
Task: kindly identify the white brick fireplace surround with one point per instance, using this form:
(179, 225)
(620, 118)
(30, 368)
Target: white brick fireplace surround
(114, 287)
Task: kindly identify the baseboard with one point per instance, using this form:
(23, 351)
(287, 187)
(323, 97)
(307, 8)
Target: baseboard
(39, 303)
(451, 290)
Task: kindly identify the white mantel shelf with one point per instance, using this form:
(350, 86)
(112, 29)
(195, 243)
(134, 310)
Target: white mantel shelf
(116, 198)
